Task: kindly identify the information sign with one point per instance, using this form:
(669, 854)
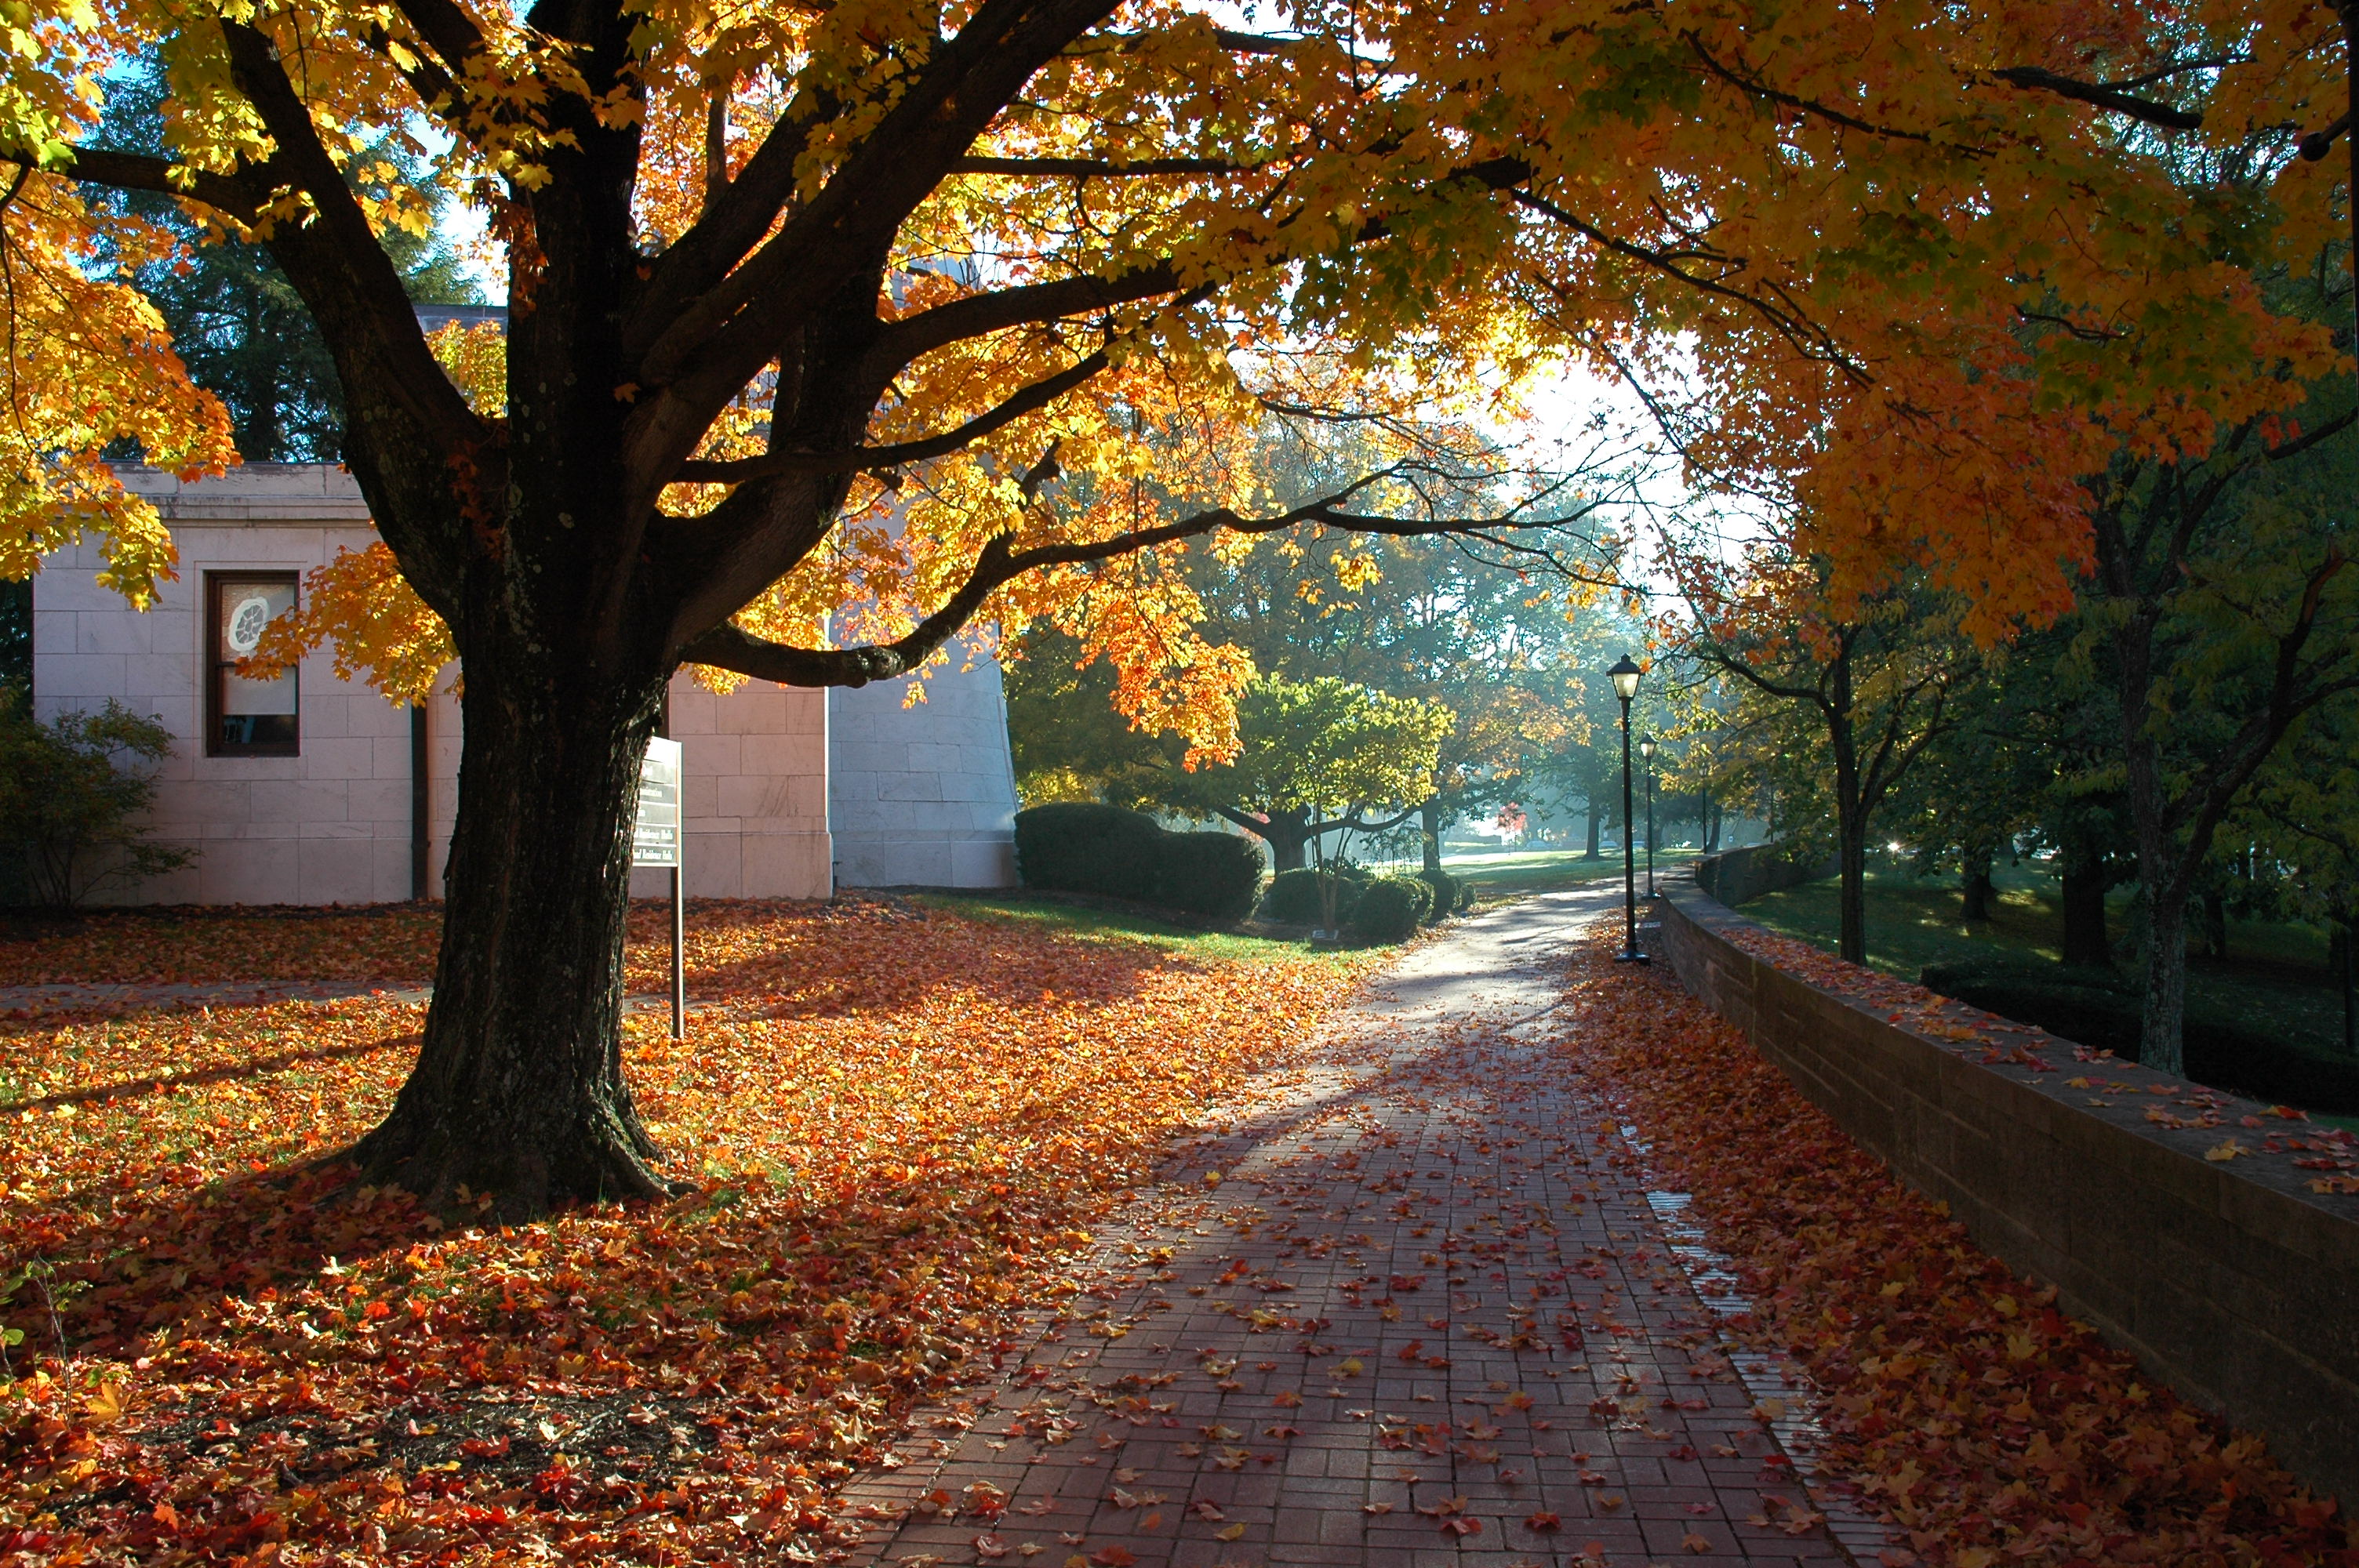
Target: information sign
(655, 833)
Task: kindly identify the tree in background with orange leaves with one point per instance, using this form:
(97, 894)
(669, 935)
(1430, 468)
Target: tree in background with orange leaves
(858, 314)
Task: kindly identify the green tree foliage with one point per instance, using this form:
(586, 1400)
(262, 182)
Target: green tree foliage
(1475, 627)
(70, 792)
(1320, 757)
(2224, 612)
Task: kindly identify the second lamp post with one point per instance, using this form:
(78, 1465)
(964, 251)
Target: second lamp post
(1625, 677)
(1647, 753)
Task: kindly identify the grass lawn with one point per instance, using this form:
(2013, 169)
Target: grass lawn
(1510, 873)
(1089, 924)
(1506, 875)
(2275, 976)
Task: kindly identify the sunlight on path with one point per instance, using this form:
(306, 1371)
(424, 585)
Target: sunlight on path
(1428, 1313)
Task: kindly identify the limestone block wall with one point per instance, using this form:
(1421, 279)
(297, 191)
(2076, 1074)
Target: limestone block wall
(328, 826)
(754, 794)
(333, 823)
(923, 795)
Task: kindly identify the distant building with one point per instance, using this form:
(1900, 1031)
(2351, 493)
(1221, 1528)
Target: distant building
(311, 790)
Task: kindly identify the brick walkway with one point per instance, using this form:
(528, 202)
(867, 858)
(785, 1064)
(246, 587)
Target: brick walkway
(1427, 1316)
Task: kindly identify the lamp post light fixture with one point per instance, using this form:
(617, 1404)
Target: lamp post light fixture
(1625, 677)
(1646, 752)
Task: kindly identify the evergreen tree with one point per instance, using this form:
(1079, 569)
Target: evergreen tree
(236, 321)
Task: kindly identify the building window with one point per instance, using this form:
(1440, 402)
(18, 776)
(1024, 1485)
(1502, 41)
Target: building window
(246, 717)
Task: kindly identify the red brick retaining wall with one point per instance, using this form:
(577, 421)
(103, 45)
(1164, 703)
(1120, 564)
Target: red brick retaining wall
(2228, 1279)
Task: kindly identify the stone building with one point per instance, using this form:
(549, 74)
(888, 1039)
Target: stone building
(313, 790)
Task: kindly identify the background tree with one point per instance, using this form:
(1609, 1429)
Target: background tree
(2227, 613)
(2303, 817)
(1839, 711)
(1315, 758)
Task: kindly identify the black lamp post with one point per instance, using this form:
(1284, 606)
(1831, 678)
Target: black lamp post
(1625, 677)
(1646, 752)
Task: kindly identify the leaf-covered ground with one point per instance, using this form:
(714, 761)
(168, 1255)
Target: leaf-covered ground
(900, 1123)
(1991, 1427)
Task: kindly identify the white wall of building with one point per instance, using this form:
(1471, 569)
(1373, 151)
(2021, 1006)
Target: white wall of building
(923, 795)
(332, 824)
(329, 826)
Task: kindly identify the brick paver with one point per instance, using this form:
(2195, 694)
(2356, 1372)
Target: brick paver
(1427, 1315)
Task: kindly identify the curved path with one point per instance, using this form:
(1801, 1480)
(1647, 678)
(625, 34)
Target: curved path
(1428, 1314)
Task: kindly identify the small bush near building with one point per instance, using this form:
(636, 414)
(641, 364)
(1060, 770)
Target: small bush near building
(1078, 847)
(2102, 1011)
(69, 790)
(1389, 910)
(1292, 898)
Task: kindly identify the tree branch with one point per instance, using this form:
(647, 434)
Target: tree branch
(976, 315)
(231, 194)
(1760, 89)
(1039, 394)
(399, 396)
(730, 648)
(1811, 340)
(1088, 167)
(731, 326)
(2032, 78)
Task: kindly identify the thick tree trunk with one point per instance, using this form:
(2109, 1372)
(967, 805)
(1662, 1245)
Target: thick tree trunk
(2347, 972)
(1852, 892)
(1595, 850)
(1711, 818)
(1979, 892)
(1429, 836)
(1286, 833)
(2161, 1029)
(2086, 945)
(518, 1092)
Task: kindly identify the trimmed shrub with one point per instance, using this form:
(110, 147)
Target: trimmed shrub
(1082, 847)
(2102, 1011)
(1390, 908)
(1447, 891)
(1077, 846)
(1212, 874)
(1292, 898)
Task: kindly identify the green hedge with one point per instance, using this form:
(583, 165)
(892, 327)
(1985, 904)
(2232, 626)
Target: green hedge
(1212, 874)
(1390, 909)
(1076, 846)
(2101, 1010)
(1292, 898)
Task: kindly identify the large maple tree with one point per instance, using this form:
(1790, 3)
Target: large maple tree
(857, 308)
